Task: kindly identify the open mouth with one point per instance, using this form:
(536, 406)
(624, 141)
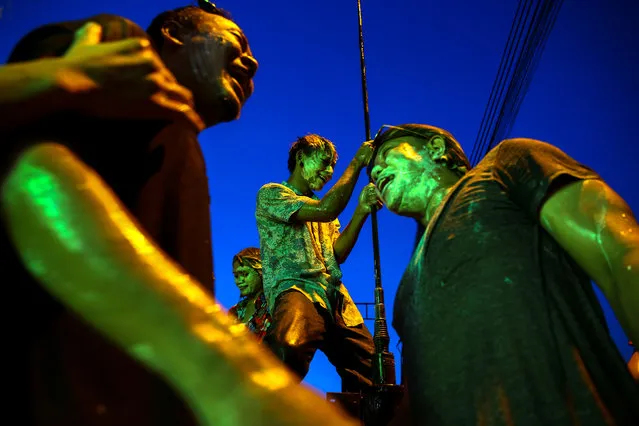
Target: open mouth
(241, 80)
(239, 90)
(383, 183)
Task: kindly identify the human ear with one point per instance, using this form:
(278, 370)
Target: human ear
(171, 34)
(436, 148)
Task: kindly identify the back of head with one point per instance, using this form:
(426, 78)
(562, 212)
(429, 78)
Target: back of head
(308, 144)
(455, 158)
(187, 17)
(53, 40)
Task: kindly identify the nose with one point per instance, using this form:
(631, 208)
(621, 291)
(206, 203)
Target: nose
(376, 171)
(329, 170)
(250, 63)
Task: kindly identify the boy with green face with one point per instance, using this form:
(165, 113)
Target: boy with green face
(302, 248)
(496, 312)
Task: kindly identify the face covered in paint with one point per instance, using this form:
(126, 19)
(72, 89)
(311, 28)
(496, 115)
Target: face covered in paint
(215, 62)
(406, 174)
(247, 279)
(317, 167)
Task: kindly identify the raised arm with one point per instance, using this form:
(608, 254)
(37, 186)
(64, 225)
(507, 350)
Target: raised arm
(336, 199)
(120, 79)
(344, 244)
(28, 92)
(75, 237)
(597, 228)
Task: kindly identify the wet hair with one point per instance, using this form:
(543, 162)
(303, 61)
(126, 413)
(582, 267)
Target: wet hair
(307, 145)
(455, 159)
(188, 17)
(250, 257)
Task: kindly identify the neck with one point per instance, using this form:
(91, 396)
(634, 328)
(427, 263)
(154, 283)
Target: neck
(446, 182)
(251, 297)
(297, 181)
(435, 200)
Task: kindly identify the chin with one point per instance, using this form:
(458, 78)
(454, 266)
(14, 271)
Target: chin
(225, 107)
(229, 109)
(392, 203)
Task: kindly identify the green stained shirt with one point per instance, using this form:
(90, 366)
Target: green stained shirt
(299, 255)
(499, 325)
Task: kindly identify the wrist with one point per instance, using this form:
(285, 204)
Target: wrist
(68, 85)
(361, 212)
(47, 80)
(358, 164)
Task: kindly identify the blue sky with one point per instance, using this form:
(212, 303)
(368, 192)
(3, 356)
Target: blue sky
(428, 62)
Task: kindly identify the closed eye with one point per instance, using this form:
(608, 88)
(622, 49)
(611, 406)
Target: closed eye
(241, 38)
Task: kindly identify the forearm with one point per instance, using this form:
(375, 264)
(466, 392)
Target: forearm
(28, 91)
(347, 239)
(625, 301)
(337, 197)
(633, 365)
(80, 243)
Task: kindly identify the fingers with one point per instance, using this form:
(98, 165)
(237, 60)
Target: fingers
(176, 111)
(159, 66)
(158, 83)
(369, 198)
(366, 151)
(89, 34)
(145, 67)
(145, 62)
(368, 145)
(174, 102)
(125, 47)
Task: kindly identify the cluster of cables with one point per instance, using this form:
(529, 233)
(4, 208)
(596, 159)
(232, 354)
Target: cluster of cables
(529, 32)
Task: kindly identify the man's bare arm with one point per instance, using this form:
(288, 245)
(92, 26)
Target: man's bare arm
(344, 244)
(28, 92)
(120, 79)
(347, 239)
(597, 228)
(75, 237)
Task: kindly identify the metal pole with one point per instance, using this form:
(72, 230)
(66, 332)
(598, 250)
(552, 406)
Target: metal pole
(383, 361)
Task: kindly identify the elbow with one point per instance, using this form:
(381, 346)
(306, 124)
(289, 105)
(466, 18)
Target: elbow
(329, 209)
(625, 273)
(316, 214)
(340, 253)
(326, 212)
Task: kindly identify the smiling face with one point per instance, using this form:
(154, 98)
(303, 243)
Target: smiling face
(317, 167)
(405, 175)
(215, 62)
(247, 279)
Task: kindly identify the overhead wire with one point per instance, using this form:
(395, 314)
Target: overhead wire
(497, 89)
(530, 64)
(514, 84)
(514, 79)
